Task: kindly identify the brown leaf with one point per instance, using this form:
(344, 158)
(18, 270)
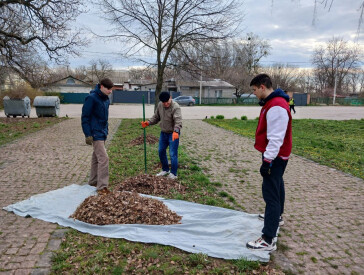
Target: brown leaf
(124, 208)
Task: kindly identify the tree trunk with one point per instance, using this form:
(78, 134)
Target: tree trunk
(159, 86)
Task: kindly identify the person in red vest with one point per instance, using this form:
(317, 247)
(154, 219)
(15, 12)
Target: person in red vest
(273, 138)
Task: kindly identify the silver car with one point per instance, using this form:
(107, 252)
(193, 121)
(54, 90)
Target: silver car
(185, 100)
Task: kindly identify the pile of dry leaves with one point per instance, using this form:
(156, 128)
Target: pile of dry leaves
(150, 139)
(150, 185)
(124, 208)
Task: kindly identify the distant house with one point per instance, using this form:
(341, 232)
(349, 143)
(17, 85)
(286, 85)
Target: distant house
(69, 84)
(10, 80)
(118, 86)
(210, 89)
(139, 85)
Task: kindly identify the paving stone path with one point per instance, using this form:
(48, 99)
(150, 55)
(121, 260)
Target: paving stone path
(324, 217)
(46, 160)
(324, 213)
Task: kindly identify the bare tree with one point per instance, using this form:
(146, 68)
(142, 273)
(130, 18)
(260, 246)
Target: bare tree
(284, 76)
(81, 73)
(304, 81)
(143, 73)
(334, 61)
(35, 26)
(234, 61)
(34, 69)
(354, 82)
(160, 26)
(4, 72)
(328, 5)
(98, 70)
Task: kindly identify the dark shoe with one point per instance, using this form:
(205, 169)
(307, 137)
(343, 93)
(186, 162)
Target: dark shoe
(103, 191)
(281, 221)
(261, 244)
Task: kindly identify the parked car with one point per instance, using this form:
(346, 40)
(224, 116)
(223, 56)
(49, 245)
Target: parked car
(185, 100)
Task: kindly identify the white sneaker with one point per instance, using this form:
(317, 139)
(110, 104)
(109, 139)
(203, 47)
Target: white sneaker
(281, 221)
(261, 244)
(162, 173)
(171, 176)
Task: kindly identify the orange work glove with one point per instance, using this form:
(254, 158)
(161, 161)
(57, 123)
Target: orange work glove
(175, 136)
(145, 124)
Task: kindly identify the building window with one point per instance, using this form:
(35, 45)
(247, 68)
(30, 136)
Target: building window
(197, 93)
(218, 93)
(71, 81)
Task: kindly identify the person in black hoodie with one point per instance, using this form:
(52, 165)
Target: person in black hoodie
(94, 119)
(273, 138)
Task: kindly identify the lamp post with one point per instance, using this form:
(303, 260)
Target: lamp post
(333, 101)
(199, 102)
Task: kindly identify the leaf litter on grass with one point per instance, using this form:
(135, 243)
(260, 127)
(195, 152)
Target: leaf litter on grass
(150, 139)
(150, 185)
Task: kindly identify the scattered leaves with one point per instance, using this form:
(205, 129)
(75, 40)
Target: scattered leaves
(150, 185)
(150, 139)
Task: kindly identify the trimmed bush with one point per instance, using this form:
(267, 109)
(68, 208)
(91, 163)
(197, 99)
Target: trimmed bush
(220, 117)
(244, 118)
(19, 92)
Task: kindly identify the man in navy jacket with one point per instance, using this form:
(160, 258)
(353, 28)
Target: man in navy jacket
(273, 138)
(95, 115)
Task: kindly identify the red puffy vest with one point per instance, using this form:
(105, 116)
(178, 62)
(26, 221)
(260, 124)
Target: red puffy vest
(261, 140)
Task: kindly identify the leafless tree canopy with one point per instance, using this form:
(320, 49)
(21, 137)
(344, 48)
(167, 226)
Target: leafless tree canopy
(98, 70)
(338, 59)
(235, 61)
(36, 28)
(163, 25)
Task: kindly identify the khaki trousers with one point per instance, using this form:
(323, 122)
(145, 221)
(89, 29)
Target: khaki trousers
(99, 176)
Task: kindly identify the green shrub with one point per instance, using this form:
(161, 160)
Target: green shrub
(244, 118)
(22, 90)
(220, 117)
(212, 117)
(235, 118)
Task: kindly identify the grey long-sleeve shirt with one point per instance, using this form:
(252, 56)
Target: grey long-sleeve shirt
(170, 118)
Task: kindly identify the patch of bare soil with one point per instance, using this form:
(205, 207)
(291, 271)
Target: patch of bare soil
(124, 208)
(150, 139)
(150, 185)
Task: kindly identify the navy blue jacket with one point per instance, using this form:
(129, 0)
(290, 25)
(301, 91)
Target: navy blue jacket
(95, 114)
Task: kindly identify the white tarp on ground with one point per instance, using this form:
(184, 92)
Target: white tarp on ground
(215, 231)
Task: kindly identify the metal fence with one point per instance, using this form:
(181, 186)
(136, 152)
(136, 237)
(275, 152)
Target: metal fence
(338, 101)
(226, 101)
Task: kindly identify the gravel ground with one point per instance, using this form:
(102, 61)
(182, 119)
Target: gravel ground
(324, 213)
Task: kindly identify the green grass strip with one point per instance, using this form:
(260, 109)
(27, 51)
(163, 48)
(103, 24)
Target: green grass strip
(86, 254)
(334, 143)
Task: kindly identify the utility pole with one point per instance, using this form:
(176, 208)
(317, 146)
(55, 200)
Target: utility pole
(200, 88)
(333, 101)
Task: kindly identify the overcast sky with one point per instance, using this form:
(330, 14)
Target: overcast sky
(286, 24)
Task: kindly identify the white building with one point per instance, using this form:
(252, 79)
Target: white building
(209, 89)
